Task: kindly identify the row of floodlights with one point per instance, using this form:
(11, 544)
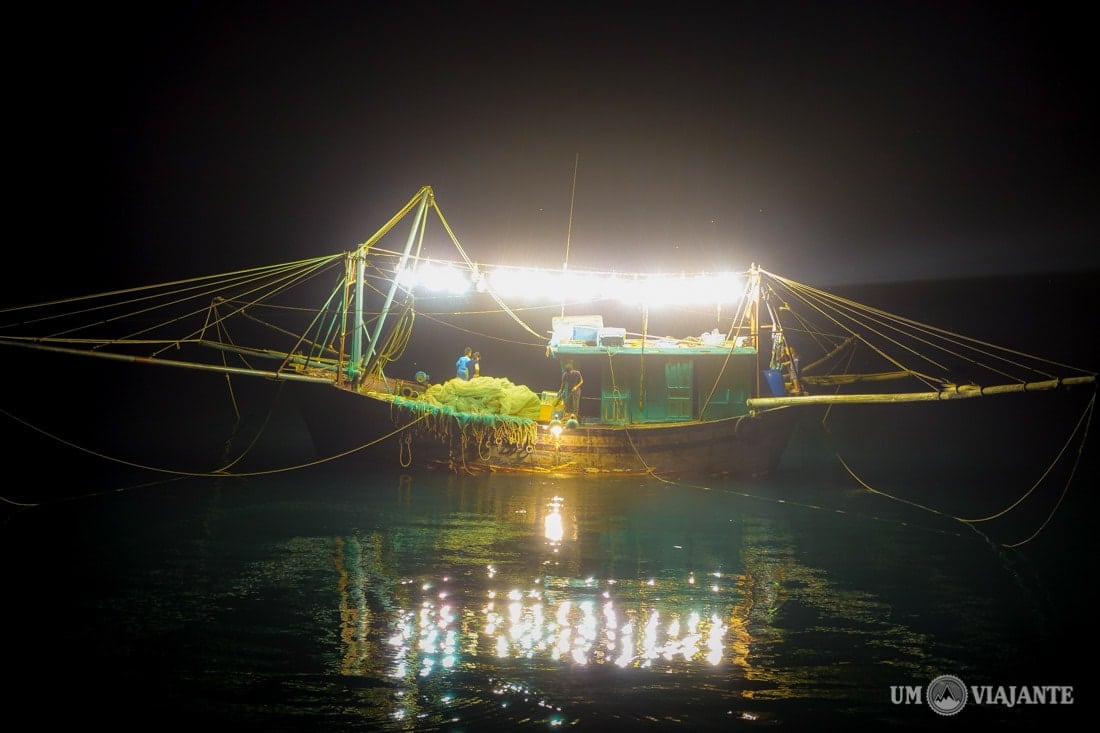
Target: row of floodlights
(575, 285)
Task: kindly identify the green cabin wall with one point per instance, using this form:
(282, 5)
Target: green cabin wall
(662, 388)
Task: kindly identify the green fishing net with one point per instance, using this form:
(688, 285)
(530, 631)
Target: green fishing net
(484, 396)
(482, 408)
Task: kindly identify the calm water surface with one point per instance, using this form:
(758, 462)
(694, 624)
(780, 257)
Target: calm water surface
(367, 599)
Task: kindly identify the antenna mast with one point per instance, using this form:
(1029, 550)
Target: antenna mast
(569, 232)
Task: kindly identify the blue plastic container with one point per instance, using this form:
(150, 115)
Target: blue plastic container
(774, 379)
(587, 334)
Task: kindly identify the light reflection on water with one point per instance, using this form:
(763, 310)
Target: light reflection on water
(632, 577)
(430, 601)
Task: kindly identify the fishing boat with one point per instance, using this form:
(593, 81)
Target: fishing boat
(755, 353)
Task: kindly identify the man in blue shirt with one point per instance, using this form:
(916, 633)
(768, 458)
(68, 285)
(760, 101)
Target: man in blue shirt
(462, 366)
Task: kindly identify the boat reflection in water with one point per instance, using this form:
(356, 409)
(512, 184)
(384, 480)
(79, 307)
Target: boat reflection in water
(584, 621)
(497, 587)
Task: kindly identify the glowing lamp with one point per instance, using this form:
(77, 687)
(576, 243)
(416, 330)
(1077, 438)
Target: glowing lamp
(555, 427)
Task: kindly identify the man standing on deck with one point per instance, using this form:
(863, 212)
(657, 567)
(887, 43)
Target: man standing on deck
(571, 381)
(462, 366)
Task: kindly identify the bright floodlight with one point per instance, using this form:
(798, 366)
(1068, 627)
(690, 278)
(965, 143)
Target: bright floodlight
(555, 286)
(651, 289)
(436, 278)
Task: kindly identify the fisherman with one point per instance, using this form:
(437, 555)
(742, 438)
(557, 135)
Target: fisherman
(462, 366)
(571, 381)
(476, 364)
(789, 361)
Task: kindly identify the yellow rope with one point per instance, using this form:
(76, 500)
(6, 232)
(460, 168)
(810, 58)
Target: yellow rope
(1087, 414)
(404, 451)
(788, 502)
(1069, 480)
(1083, 422)
(219, 472)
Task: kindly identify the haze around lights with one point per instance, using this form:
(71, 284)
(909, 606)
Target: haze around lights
(535, 285)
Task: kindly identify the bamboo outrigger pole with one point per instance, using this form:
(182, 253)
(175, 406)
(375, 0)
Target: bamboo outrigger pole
(960, 392)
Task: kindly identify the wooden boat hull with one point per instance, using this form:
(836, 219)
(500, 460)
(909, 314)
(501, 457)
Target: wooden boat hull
(745, 446)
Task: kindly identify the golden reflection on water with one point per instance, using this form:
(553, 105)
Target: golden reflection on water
(596, 629)
(537, 604)
(559, 618)
(553, 527)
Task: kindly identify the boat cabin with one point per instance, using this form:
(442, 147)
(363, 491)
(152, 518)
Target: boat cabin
(655, 380)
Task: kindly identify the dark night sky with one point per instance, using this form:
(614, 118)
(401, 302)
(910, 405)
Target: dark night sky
(833, 142)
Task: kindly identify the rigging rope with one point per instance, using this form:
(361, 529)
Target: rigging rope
(472, 266)
(1081, 428)
(219, 472)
